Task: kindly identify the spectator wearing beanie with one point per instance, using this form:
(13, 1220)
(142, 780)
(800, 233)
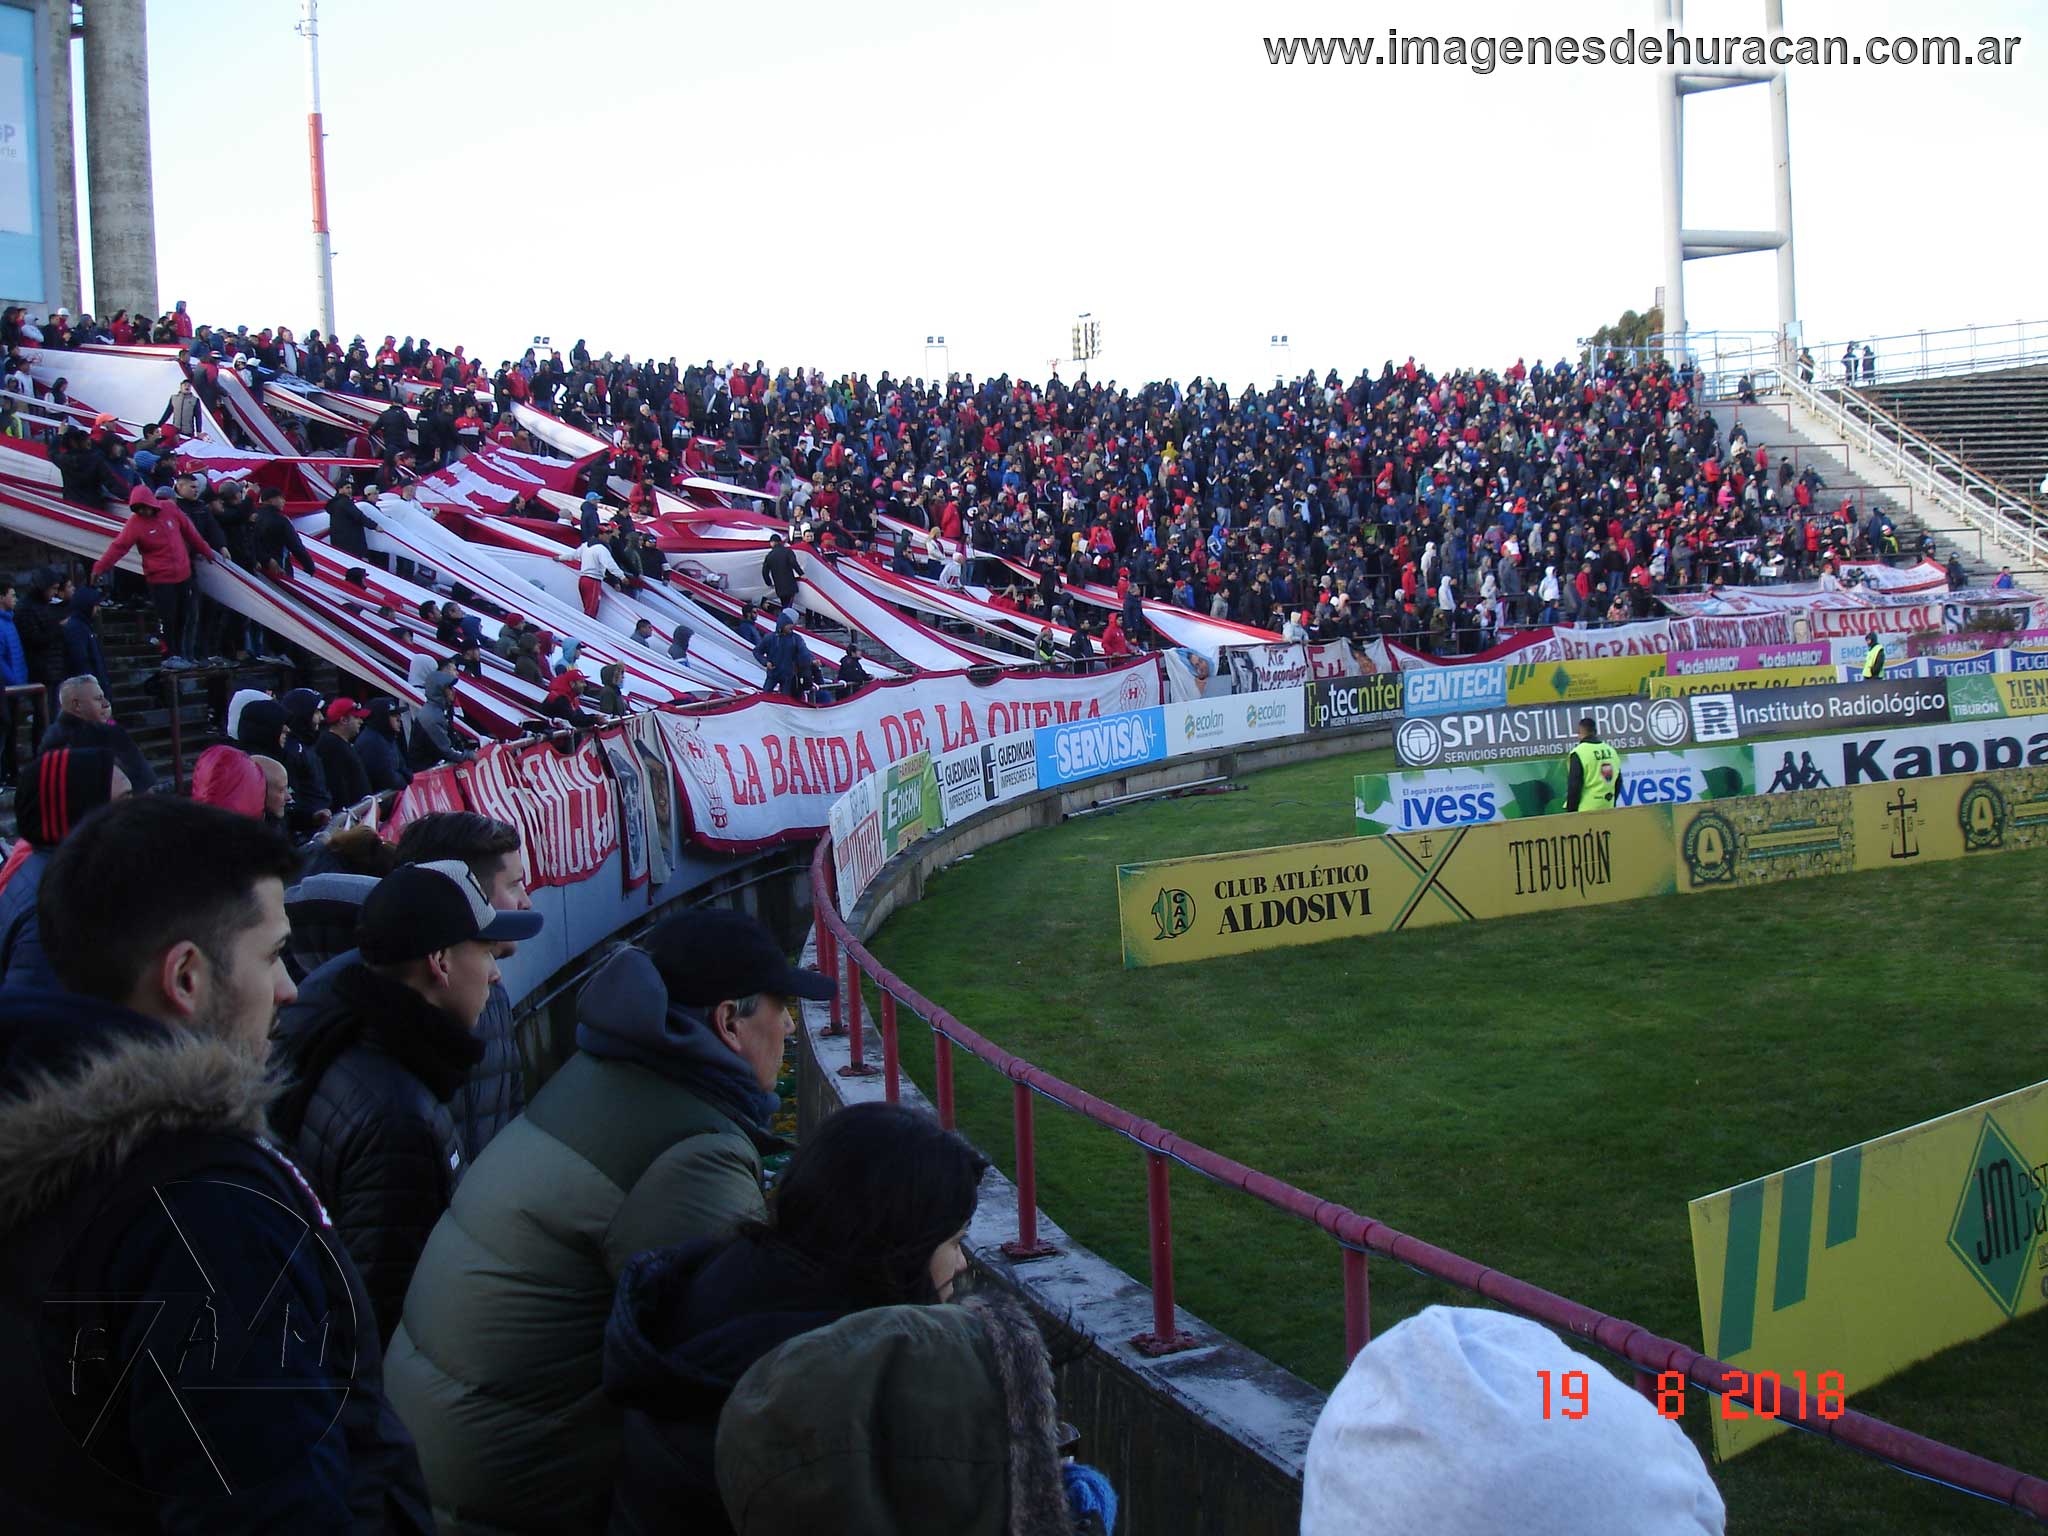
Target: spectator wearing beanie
(58, 791)
(652, 1133)
(904, 1420)
(229, 778)
(1431, 1430)
(870, 1213)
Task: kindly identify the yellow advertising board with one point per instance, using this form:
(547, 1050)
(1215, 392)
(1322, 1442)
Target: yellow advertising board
(1174, 910)
(1593, 677)
(1662, 687)
(1856, 1265)
(2023, 693)
(1759, 839)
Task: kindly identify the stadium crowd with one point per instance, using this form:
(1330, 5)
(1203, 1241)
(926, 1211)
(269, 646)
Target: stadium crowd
(1439, 509)
(580, 1309)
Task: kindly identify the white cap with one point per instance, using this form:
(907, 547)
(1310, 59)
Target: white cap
(1438, 1426)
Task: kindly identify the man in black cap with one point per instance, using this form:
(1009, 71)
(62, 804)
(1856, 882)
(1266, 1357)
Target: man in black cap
(651, 1134)
(393, 1040)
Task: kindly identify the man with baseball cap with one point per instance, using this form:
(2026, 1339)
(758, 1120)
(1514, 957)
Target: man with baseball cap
(390, 1041)
(348, 781)
(650, 1135)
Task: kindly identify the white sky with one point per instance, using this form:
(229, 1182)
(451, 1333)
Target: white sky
(810, 181)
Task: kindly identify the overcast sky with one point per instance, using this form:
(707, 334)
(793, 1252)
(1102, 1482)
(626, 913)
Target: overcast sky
(821, 183)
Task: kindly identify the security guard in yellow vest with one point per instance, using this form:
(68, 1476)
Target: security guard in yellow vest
(1593, 772)
(1873, 659)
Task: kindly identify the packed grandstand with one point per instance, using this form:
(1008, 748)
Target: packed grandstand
(472, 635)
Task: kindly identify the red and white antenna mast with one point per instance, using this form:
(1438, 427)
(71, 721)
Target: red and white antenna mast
(323, 248)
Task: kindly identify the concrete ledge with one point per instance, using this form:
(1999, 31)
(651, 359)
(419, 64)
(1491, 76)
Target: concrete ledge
(1210, 1439)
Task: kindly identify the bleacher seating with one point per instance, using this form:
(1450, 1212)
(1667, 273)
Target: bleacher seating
(1997, 423)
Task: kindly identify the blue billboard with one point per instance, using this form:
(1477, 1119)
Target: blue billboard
(1083, 749)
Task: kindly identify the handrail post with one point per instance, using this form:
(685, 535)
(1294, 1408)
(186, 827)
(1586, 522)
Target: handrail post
(892, 1073)
(1357, 1303)
(1165, 1338)
(828, 962)
(942, 1074)
(1026, 1244)
(857, 1065)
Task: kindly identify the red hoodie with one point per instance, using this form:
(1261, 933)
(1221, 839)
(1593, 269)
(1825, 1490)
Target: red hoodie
(166, 537)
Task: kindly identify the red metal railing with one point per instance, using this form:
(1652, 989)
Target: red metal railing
(1358, 1236)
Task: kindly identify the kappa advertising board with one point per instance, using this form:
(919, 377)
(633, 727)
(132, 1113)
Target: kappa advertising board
(972, 779)
(1743, 716)
(1087, 748)
(1873, 1258)
(1353, 701)
(1917, 752)
(1448, 797)
(1539, 730)
(1177, 910)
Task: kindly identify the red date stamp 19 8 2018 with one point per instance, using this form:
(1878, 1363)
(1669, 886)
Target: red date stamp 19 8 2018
(1744, 1394)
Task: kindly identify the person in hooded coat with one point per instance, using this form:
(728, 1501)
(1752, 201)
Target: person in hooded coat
(59, 789)
(869, 1213)
(312, 800)
(433, 723)
(652, 1133)
(907, 1421)
(381, 749)
(82, 652)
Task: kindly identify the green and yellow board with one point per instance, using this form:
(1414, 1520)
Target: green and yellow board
(1872, 1258)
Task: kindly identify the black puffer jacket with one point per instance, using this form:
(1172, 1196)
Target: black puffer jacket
(133, 1163)
(373, 1066)
(686, 1324)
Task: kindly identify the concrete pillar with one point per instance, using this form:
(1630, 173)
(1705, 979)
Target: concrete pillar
(63, 198)
(117, 158)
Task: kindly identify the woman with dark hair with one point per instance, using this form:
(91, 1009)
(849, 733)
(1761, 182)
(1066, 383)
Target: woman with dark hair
(870, 1213)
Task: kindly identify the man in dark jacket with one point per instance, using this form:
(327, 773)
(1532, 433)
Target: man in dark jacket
(86, 719)
(381, 747)
(60, 789)
(82, 653)
(134, 1164)
(651, 1134)
(376, 1057)
(312, 801)
(348, 527)
(275, 543)
(347, 779)
(780, 570)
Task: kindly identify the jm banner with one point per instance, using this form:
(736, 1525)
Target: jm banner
(1539, 730)
(1198, 908)
(1450, 797)
(1873, 1258)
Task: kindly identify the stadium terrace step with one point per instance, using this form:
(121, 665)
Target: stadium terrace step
(1997, 423)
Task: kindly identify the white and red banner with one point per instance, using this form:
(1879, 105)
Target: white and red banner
(573, 809)
(767, 770)
(432, 790)
(492, 784)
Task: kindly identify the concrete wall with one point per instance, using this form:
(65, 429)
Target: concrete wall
(60, 199)
(1208, 1440)
(117, 170)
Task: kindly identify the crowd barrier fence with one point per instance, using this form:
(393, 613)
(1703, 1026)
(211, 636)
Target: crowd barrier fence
(844, 955)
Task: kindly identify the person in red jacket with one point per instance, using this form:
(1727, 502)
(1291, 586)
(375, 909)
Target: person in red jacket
(168, 542)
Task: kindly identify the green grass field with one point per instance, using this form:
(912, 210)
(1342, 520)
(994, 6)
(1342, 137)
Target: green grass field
(1543, 1095)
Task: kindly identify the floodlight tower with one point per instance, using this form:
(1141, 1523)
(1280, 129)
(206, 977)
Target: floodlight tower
(1675, 83)
(323, 248)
